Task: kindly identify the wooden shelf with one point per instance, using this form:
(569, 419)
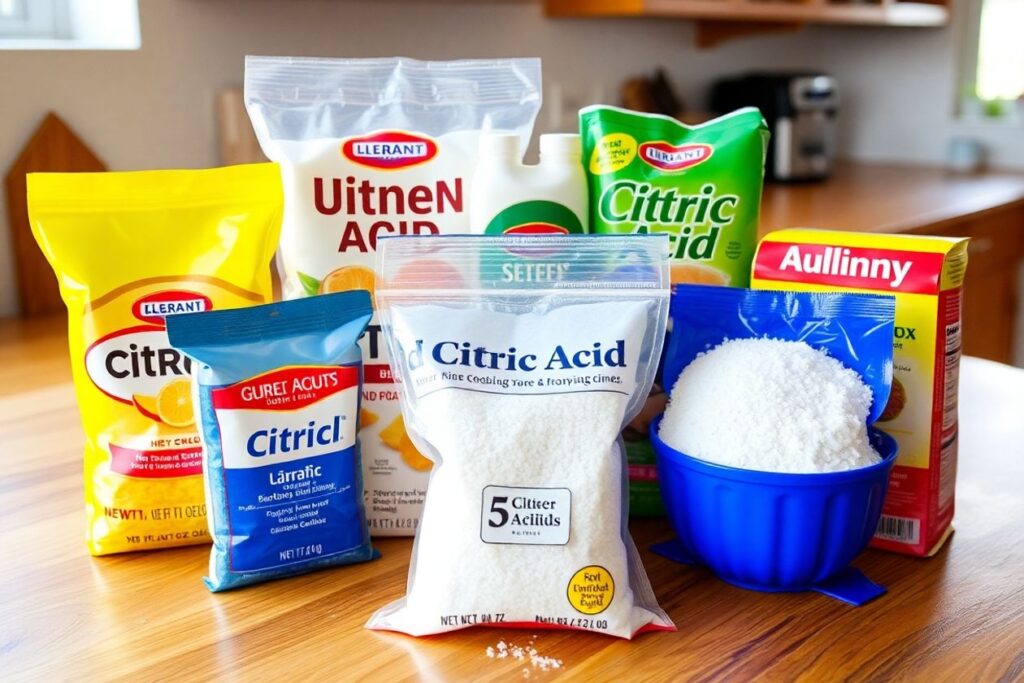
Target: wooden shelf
(884, 13)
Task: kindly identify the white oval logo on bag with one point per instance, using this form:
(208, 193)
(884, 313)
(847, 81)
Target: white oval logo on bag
(670, 158)
(137, 360)
(154, 308)
(389, 149)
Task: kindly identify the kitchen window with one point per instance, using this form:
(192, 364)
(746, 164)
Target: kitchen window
(69, 25)
(34, 19)
(993, 73)
(1001, 50)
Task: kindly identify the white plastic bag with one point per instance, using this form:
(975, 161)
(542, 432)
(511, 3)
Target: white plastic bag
(521, 358)
(368, 148)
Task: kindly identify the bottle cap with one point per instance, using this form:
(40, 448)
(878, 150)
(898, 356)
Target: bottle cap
(560, 144)
(500, 145)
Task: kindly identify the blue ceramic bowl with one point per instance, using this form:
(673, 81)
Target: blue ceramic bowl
(772, 531)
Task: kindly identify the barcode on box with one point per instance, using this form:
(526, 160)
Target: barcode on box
(899, 529)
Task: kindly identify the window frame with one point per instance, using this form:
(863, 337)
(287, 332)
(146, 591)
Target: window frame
(74, 25)
(39, 19)
(968, 106)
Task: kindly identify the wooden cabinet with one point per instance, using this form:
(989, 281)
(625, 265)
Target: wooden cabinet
(991, 288)
(990, 310)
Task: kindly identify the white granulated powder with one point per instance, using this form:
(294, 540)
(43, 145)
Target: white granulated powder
(770, 405)
(527, 441)
(524, 519)
(517, 653)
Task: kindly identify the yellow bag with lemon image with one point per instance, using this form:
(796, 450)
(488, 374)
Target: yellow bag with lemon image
(130, 249)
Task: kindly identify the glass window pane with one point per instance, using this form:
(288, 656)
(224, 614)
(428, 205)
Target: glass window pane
(12, 9)
(1001, 50)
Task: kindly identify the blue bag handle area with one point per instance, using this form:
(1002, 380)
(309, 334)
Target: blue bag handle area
(856, 329)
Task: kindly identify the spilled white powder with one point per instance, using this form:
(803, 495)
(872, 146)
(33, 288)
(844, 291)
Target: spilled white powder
(770, 405)
(503, 650)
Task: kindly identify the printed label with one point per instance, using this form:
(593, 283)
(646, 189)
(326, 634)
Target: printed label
(526, 516)
(536, 228)
(536, 217)
(921, 412)
(613, 152)
(884, 270)
(390, 149)
(671, 158)
(145, 462)
(154, 308)
(137, 361)
(694, 221)
(338, 207)
(135, 365)
(512, 356)
(288, 447)
(591, 590)
(156, 464)
(951, 375)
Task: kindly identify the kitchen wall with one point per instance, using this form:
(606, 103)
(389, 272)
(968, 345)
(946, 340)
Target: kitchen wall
(899, 89)
(154, 107)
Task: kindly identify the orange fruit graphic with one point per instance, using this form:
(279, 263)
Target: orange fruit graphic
(395, 437)
(696, 273)
(174, 403)
(367, 418)
(347, 278)
(411, 455)
(393, 433)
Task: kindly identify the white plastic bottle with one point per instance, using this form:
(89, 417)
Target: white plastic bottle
(508, 196)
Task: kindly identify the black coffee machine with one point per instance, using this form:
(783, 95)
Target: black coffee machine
(800, 109)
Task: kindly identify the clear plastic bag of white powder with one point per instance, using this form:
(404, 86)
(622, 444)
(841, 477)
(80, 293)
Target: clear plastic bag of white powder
(519, 359)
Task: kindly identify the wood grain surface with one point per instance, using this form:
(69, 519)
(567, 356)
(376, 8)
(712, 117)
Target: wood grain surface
(878, 198)
(144, 617)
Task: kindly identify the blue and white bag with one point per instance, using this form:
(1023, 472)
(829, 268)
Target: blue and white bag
(277, 391)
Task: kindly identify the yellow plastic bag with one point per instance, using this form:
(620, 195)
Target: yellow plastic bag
(129, 249)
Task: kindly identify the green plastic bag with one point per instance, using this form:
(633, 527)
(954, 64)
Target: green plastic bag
(649, 173)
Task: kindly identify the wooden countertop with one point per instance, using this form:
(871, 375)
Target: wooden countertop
(147, 616)
(875, 198)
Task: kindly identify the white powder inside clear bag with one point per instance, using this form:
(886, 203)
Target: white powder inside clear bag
(770, 405)
(524, 519)
(488, 439)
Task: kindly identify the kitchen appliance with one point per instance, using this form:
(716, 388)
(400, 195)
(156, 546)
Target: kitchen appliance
(801, 111)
